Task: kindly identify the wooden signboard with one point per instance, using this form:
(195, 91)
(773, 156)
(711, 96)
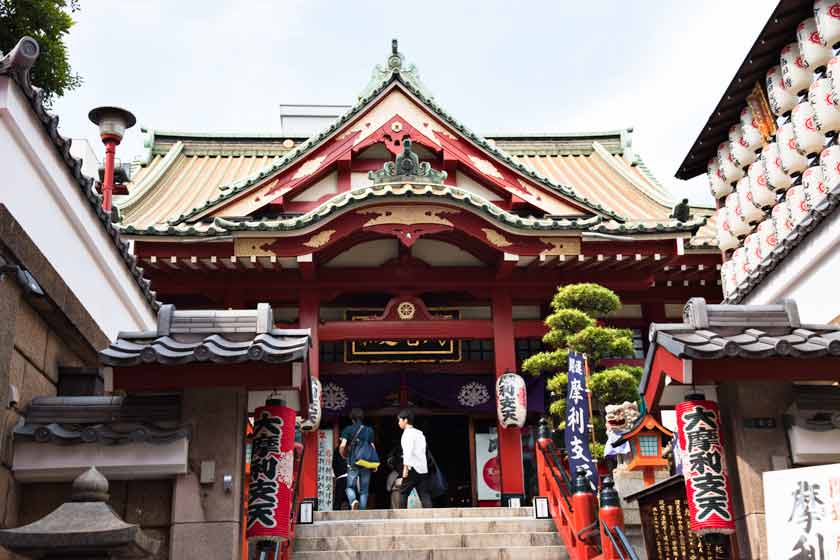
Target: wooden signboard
(665, 525)
(400, 351)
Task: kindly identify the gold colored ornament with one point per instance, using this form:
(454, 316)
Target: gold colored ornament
(406, 311)
(319, 239)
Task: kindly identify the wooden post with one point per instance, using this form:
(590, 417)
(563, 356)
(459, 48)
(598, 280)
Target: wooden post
(510, 439)
(308, 317)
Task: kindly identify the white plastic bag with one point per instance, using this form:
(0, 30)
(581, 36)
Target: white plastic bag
(414, 500)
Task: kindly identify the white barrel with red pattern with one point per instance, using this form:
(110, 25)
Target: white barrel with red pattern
(827, 13)
(796, 75)
(780, 99)
(762, 194)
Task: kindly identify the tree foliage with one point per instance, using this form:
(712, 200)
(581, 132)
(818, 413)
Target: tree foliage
(574, 326)
(46, 21)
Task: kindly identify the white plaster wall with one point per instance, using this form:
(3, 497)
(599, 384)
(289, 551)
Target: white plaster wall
(465, 182)
(810, 275)
(39, 190)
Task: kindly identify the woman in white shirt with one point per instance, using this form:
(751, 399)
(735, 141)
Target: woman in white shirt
(415, 469)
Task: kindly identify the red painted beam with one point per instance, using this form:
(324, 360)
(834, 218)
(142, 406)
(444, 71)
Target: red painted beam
(664, 365)
(356, 330)
(157, 377)
(793, 369)
(529, 329)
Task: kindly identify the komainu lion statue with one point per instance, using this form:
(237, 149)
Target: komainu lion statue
(620, 419)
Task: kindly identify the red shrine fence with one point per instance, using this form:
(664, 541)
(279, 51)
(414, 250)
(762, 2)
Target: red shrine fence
(589, 532)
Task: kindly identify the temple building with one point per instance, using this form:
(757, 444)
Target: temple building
(395, 259)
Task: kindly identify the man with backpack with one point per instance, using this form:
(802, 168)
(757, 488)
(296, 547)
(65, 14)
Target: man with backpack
(355, 438)
(415, 470)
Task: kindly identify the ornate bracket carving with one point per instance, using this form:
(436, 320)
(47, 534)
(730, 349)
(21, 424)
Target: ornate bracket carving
(407, 167)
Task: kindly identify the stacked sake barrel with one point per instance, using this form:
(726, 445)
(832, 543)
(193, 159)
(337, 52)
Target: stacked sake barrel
(766, 187)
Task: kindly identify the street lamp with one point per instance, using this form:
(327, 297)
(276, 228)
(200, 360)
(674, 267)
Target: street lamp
(112, 123)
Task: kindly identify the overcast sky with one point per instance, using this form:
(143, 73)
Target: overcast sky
(558, 66)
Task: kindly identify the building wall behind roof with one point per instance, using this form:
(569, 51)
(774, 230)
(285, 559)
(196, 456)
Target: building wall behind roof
(809, 275)
(44, 198)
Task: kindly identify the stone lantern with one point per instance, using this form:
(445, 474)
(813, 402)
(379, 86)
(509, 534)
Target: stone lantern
(84, 527)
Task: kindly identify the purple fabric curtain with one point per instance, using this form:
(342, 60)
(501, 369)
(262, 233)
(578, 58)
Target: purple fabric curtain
(462, 393)
(344, 392)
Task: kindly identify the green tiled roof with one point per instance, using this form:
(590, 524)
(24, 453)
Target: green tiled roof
(379, 192)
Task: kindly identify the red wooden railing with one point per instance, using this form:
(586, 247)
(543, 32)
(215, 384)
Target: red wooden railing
(587, 531)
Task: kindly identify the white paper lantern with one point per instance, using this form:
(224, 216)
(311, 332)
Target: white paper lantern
(815, 51)
(832, 73)
(726, 240)
(781, 219)
(814, 186)
(809, 140)
(741, 151)
(727, 277)
(749, 129)
(826, 113)
(313, 418)
(797, 204)
(717, 184)
(730, 169)
(739, 259)
(793, 162)
(750, 211)
(767, 240)
(830, 164)
(762, 193)
(777, 177)
(511, 400)
(795, 71)
(752, 251)
(827, 14)
(780, 99)
(737, 225)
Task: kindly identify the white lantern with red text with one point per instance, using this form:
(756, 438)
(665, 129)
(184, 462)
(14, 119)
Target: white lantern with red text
(726, 240)
(728, 166)
(826, 113)
(762, 194)
(809, 140)
(777, 178)
(766, 231)
(815, 51)
(793, 162)
(511, 400)
(741, 267)
(830, 164)
(750, 211)
(814, 186)
(827, 13)
(742, 153)
(313, 417)
(737, 225)
(797, 204)
(752, 251)
(781, 100)
(717, 184)
(795, 72)
(727, 278)
(781, 220)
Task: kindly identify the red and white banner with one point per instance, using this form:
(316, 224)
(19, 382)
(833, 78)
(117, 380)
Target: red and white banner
(272, 462)
(704, 467)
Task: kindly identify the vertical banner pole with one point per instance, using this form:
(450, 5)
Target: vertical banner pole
(588, 396)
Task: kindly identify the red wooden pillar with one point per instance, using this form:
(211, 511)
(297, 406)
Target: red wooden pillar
(510, 439)
(308, 318)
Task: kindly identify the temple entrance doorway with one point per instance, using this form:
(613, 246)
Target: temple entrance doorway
(448, 438)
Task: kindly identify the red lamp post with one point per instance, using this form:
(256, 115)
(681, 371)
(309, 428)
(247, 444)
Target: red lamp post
(112, 123)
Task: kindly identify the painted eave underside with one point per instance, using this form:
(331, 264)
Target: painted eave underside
(187, 174)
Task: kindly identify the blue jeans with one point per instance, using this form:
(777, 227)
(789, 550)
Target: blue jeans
(363, 476)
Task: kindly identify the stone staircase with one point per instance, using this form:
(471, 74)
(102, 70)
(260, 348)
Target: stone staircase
(429, 534)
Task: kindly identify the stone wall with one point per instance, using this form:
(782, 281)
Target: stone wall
(144, 502)
(38, 335)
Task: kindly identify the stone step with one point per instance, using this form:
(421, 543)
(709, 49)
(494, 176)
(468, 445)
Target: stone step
(492, 553)
(421, 513)
(433, 526)
(425, 542)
